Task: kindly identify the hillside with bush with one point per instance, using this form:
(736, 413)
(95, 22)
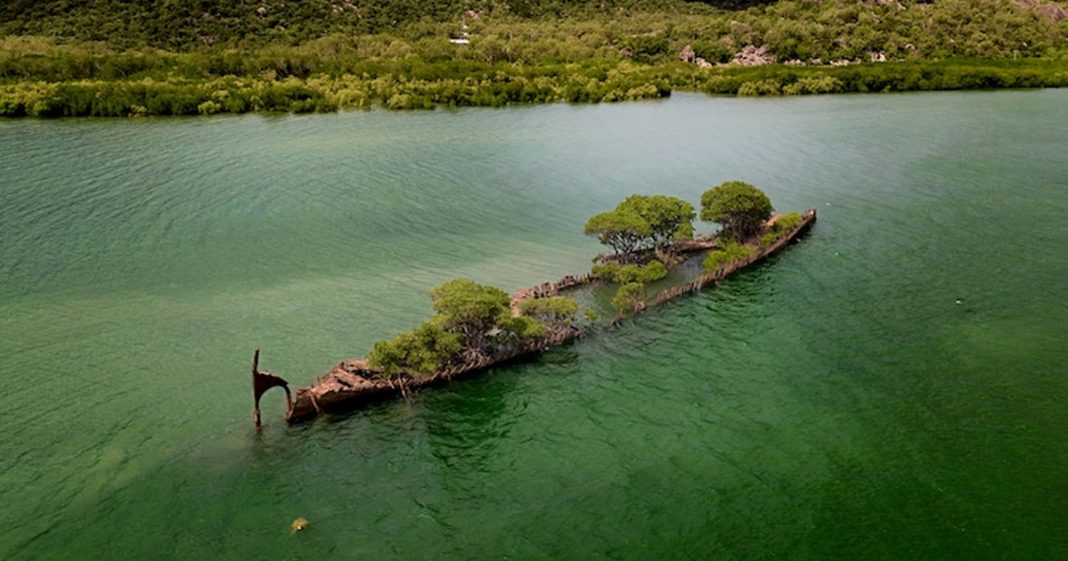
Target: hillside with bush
(125, 57)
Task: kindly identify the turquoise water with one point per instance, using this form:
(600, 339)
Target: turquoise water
(893, 387)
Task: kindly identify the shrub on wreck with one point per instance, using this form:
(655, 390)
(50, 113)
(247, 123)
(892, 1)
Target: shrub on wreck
(470, 309)
(556, 310)
(471, 319)
(729, 252)
(628, 296)
(784, 224)
(421, 351)
(623, 274)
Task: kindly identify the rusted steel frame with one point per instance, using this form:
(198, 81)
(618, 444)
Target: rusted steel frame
(263, 381)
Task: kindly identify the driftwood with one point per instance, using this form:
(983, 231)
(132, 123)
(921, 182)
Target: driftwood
(352, 382)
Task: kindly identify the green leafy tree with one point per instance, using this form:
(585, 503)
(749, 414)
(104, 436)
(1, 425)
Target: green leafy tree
(520, 329)
(606, 271)
(684, 232)
(642, 221)
(632, 279)
(621, 231)
(738, 207)
(628, 296)
(668, 218)
(470, 318)
(466, 307)
(422, 351)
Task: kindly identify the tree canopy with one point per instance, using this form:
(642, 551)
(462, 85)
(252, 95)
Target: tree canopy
(421, 351)
(628, 296)
(620, 230)
(643, 222)
(738, 207)
(470, 319)
(668, 218)
(467, 307)
(782, 226)
(555, 310)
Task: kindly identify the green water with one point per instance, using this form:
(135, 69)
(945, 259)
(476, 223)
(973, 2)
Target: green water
(836, 403)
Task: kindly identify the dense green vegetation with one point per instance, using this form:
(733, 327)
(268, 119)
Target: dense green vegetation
(654, 270)
(632, 280)
(781, 227)
(183, 24)
(495, 85)
(422, 350)
(528, 30)
(639, 228)
(738, 207)
(470, 321)
(644, 226)
(642, 222)
(555, 310)
(668, 218)
(726, 253)
(126, 57)
(629, 297)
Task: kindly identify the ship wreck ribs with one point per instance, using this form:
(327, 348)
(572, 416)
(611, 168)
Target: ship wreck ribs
(353, 383)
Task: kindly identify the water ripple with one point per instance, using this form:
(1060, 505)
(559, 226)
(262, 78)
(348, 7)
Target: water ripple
(898, 373)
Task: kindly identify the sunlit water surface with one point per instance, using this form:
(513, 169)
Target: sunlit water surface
(893, 387)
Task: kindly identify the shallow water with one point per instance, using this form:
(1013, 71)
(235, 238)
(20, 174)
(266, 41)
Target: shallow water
(893, 387)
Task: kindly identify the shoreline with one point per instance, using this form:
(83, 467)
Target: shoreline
(501, 85)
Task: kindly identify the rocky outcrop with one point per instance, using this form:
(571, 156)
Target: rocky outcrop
(687, 54)
(1051, 11)
(753, 56)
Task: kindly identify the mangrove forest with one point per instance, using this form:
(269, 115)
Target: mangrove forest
(127, 58)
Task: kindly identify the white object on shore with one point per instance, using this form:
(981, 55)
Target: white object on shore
(464, 39)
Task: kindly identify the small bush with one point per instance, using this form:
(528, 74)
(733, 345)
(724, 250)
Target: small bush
(730, 252)
(623, 274)
(209, 108)
(11, 108)
(788, 222)
(760, 88)
(419, 352)
(784, 224)
(628, 296)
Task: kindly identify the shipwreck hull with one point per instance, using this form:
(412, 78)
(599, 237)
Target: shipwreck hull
(352, 383)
